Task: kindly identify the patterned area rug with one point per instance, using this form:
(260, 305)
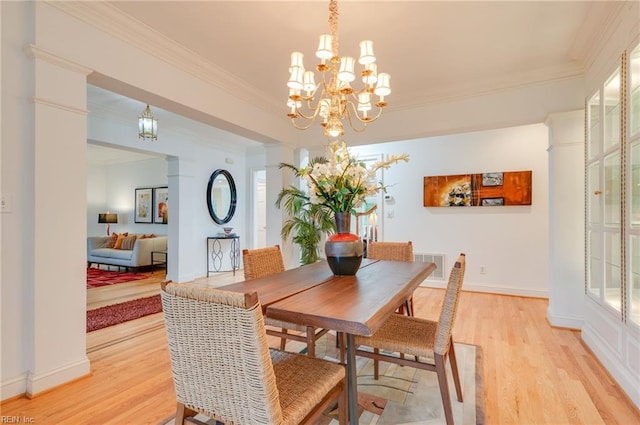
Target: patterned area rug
(404, 395)
(99, 277)
(123, 312)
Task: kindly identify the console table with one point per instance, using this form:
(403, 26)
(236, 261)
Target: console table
(216, 254)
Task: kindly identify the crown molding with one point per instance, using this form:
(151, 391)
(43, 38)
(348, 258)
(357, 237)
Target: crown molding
(111, 20)
(462, 90)
(598, 26)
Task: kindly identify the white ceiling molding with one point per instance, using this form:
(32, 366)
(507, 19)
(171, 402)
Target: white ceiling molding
(114, 22)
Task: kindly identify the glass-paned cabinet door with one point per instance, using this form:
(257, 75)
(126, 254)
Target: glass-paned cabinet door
(593, 111)
(634, 92)
(594, 194)
(613, 269)
(634, 185)
(634, 279)
(594, 277)
(611, 104)
(594, 232)
(633, 120)
(612, 185)
(612, 235)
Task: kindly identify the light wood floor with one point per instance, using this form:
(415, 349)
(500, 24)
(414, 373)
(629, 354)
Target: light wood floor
(533, 373)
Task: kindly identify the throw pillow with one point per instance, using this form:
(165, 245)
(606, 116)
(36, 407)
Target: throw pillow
(128, 242)
(118, 244)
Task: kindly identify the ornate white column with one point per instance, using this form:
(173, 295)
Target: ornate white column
(566, 219)
(185, 254)
(58, 308)
(278, 179)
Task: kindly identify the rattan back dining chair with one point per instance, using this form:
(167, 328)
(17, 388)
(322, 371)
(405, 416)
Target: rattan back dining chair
(394, 251)
(224, 369)
(262, 262)
(429, 342)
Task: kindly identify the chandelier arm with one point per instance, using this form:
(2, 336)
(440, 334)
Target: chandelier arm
(302, 127)
(353, 127)
(357, 116)
(372, 119)
(307, 117)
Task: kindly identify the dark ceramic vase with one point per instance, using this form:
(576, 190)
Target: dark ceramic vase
(343, 249)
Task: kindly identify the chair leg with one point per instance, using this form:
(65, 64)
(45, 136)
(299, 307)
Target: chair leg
(311, 341)
(444, 387)
(376, 365)
(343, 411)
(283, 341)
(183, 412)
(454, 370)
(411, 306)
(407, 308)
(343, 347)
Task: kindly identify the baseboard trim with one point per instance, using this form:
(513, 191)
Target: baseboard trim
(564, 321)
(491, 289)
(13, 387)
(36, 384)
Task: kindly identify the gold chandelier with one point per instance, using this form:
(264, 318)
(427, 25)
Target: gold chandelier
(334, 101)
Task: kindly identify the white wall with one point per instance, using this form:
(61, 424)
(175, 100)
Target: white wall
(111, 188)
(511, 242)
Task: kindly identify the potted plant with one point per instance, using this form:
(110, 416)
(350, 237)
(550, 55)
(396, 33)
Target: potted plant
(337, 185)
(308, 221)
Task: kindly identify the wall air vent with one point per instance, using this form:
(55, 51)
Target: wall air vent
(439, 259)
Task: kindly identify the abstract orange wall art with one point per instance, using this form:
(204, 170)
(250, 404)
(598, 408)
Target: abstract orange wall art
(483, 189)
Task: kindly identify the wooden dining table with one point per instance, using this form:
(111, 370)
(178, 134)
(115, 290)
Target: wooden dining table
(355, 305)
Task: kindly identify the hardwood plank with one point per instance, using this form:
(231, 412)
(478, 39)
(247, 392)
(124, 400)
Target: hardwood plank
(534, 373)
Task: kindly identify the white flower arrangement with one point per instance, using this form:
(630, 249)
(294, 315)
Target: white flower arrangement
(342, 182)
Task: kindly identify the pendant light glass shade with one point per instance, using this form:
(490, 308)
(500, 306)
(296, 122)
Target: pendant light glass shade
(147, 125)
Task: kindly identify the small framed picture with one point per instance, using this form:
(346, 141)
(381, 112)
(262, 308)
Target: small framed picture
(492, 202)
(143, 205)
(161, 205)
(492, 179)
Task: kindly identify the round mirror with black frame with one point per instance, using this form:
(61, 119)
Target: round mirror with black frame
(221, 196)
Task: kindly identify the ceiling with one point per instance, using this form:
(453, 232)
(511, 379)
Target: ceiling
(434, 50)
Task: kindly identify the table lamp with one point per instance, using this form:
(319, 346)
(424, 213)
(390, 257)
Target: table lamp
(107, 218)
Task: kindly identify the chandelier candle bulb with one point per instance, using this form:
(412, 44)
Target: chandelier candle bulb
(347, 66)
(325, 49)
(383, 88)
(297, 60)
(295, 80)
(309, 82)
(366, 52)
(370, 74)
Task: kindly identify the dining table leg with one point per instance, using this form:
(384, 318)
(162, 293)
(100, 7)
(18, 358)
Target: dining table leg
(352, 380)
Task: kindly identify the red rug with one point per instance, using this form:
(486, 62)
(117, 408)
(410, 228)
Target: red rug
(99, 277)
(118, 313)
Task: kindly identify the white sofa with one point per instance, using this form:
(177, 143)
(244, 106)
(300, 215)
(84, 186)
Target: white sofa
(98, 251)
